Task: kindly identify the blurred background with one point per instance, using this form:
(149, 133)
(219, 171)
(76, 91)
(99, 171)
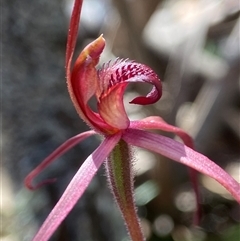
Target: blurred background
(193, 45)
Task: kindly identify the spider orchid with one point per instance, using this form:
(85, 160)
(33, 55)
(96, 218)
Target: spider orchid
(111, 121)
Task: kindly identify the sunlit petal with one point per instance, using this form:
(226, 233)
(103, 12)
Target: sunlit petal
(183, 154)
(76, 188)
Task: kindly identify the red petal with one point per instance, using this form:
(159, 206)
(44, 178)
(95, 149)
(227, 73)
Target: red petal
(76, 188)
(72, 34)
(114, 78)
(125, 71)
(83, 83)
(157, 123)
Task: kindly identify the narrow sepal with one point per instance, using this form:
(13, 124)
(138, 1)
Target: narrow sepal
(73, 32)
(157, 123)
(183, 154)
(70, 143)
(76, 188)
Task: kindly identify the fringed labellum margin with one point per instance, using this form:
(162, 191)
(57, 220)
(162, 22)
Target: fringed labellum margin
(108, 85)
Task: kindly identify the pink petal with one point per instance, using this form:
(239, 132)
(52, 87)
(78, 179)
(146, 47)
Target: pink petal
(70, 143)
(76, 188)
(183, 154)
(157, 123)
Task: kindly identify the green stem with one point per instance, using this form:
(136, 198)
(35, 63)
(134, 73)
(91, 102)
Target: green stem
(119, 170)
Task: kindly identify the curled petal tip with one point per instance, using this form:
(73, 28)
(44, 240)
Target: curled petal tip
(90, 54)
(113, 80)
(125, 71)
(95, 48)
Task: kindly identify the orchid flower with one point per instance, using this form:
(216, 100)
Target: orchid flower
(119, 133)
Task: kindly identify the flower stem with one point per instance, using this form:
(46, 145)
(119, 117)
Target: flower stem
(120, 176)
